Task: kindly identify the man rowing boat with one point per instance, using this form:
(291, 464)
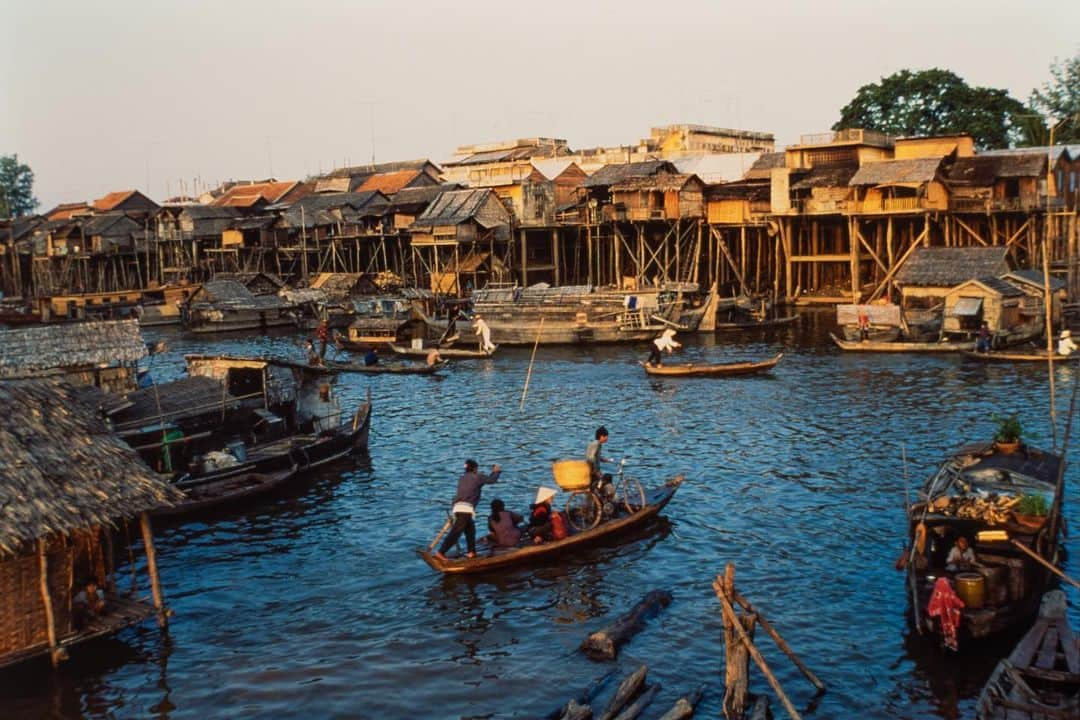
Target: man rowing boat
(465, 501)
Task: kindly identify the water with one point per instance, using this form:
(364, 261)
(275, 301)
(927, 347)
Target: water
(313, 603)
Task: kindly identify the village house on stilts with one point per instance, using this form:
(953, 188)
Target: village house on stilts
(66, 484)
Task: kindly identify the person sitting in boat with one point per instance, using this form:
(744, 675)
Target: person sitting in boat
(503, 525)
(540, 526)
(484, 332)
(433, 357)
(465, 500)
(666, 341)
(371, 357)
(985, 339)
(1066, 346)
(961, 556)
(313, 358)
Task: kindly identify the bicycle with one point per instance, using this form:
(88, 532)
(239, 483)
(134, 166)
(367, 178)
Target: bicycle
(587, 506)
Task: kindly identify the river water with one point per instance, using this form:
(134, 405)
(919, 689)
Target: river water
(313, 603)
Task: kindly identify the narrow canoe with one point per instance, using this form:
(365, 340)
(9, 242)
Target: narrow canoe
(713, 369)
(1005, 356)
(752, 324)
(900, 346)
(213, 493)
(655, 501)
(454, 353)
(398, 368)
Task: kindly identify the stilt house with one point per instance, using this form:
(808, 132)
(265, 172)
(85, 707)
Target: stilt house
(103, 353)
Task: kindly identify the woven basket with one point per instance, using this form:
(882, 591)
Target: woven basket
(571, 474)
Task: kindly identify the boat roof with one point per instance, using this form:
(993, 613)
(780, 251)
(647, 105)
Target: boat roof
(979, 464)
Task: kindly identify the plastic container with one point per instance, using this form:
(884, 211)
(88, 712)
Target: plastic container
(571, 474)
(971, 588)
(237, 449)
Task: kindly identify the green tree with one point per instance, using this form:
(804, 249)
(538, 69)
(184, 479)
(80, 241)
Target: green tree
(16, 187)
(1059, 100)
(934, 102)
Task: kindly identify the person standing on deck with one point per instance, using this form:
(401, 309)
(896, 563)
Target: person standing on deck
(465, 501)
(484, 332)
(666, 341)
(1066, 346)
(985, 339)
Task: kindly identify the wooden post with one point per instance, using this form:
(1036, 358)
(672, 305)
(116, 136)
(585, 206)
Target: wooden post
(151, 567)
(524, 260)
(56, 653)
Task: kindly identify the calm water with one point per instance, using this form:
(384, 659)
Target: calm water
(313, 603)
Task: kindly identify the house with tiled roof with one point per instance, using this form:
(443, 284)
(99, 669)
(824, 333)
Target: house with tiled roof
(125, 201)
(66, 211)
(391, 182)
(255, 196)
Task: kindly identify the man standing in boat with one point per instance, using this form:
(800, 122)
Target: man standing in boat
(484, 332)
(1066, 346)
(666, 341)
(465, 501)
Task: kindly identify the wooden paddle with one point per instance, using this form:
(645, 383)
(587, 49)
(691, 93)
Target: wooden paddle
(445, 527)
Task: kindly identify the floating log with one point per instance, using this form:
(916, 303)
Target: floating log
(604, 644)
(684, 706)
(582, 700)
(635, 709)
(628, 688)
(573, 711)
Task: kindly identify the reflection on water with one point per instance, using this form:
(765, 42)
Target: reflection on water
(313, 602)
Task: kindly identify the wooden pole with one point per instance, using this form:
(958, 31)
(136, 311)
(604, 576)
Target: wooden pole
(1048, 302)
(56, 653)
(1049, 566)
(528, 375)
(151, 567)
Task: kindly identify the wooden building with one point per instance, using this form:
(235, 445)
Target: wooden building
(931, 273)
(1033, 285)
(663, 196)
(350, 179)
(899, 185)
(101, 353)
(67, 483)
(129, 202)
(989, 299)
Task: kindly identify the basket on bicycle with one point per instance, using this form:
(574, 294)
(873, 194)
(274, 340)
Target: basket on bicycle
(571, 474)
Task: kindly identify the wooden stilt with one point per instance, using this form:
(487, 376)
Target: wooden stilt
(151, 567)
(56, 653)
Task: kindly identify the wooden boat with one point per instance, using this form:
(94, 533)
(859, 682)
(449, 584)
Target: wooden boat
(1040, 680)
(713, 369)
(875, 333)
(204, 494)
(751, 324)
(1007, 356)
(947, 346)
(448, 352)
(499, 559)
(381, 367)
(973, 494)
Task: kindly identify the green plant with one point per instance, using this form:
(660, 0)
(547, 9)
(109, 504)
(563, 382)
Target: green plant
(1032, 504)
(1009, 428)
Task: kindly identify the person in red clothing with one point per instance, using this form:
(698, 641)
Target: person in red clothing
(540, 528)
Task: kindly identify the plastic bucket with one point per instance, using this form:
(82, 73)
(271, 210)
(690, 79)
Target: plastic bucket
(971, 588)
(571, 474)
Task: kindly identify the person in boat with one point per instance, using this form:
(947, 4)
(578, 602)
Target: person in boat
(666, 341)
(322, 334)
(594, 457)
(864, 324)
(433, 357)
(484, 332)
(544, 523)
(1066, 346)
(503, 525)
(313, 358)
(465, 500)
(982, 344)
(961, 556)
(371, 357)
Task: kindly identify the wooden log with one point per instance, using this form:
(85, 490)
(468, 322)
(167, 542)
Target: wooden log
(780, 642)
(151, 567)
(604, 644)
(642, 702)
(684, 706)
(583, 698)
(628, 688)
(573, 711)
(737, 667)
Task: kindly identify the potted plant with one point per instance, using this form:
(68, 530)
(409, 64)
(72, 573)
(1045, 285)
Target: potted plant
(1031, 511)
(1007, 436)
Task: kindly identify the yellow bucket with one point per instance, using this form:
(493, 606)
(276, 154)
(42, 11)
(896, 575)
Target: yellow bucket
(571, 474)
(971, 587)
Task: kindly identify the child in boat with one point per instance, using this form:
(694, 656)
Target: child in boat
(540, 528)
(503, 525)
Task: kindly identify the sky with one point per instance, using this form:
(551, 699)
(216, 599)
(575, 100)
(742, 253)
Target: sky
(147, 94)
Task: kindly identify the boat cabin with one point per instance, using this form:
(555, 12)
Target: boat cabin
(991, 300)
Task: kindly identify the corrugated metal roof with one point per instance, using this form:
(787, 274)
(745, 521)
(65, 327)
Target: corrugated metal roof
(917, 170)
(457, 206)
(718, 168)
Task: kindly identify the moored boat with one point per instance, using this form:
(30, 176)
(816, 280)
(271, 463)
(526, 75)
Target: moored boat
(454, 353)
(713, 369)
(945, 346)
(398, 368)
(501, 558)
(753, 324)
(1008, 356)
(203, 494)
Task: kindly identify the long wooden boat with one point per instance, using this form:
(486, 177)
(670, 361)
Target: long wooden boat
(206, 494)
(498, 559)
(754, 324)
(452, 353)
(713, 369)
(384, 367)
(973, 494)
(1040, 680)
(1007, 356)
(947, 346)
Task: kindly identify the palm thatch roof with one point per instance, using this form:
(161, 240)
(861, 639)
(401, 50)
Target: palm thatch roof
(949, 266)
(661, 182)
(35, 350)
(62, 469)
(615, 173)
(917, 171)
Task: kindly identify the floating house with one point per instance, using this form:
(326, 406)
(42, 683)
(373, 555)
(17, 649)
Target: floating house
(103, 353)
(67, 482)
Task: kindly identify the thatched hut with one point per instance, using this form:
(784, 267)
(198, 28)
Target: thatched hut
(931, 272)
(65, 482)
(102, 353)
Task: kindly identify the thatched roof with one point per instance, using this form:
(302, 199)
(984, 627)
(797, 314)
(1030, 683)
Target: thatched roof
(34, 350)
(415, 199)
(832, 176)
(618, 172)
(948, 266)
(62, 469)
(661, 182)
(457, 206)
(982, 170)
(917, 171)
(764, 165)
(1035, 278)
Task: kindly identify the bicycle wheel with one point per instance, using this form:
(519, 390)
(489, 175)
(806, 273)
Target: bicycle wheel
(582, 510)
(632, 495)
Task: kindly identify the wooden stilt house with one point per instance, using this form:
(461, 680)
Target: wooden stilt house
(65, 484)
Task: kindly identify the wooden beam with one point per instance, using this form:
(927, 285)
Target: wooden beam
(151, 568)
(56, 653)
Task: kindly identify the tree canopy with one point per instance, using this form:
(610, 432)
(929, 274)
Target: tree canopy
(934, 102)
(16, 187)
(1059, 101)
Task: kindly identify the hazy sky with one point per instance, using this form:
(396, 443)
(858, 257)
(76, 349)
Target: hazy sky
(116, 94)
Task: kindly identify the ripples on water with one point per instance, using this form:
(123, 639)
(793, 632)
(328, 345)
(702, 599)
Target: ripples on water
(313, 603)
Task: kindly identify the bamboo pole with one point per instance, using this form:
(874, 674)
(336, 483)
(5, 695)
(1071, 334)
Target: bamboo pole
(1049, 566)
(528, 375)
(151, 567)
(56, 653)
(1048, 302)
